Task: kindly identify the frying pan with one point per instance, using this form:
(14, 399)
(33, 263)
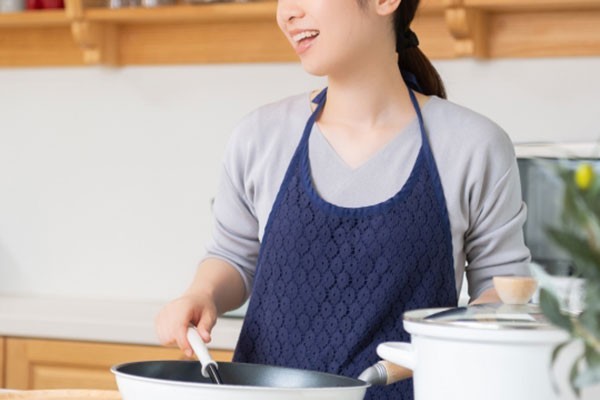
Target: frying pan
(189, 380)
(183, 380)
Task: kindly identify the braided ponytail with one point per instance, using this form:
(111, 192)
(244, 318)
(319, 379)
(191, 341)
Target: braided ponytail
(415, 67)
(411, 59)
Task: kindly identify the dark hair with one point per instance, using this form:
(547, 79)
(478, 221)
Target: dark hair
(411, 59)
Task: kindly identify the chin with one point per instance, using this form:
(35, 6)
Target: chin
(315, 68)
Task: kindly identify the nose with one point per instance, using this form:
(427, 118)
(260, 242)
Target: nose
(288, 10)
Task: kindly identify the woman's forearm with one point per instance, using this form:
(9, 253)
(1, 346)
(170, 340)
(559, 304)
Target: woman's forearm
(221, 281)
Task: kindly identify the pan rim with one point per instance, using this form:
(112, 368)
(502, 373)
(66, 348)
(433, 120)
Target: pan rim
(117, 373)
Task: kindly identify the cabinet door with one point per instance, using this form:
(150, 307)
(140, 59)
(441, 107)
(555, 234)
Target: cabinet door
(2, 361)
(54, 364)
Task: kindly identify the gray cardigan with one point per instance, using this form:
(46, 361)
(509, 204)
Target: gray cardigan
(474, 156)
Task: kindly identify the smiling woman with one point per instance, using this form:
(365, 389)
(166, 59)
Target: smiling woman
(301, 27)
(340, 209)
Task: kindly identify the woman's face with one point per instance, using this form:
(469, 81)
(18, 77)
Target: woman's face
(330, 35)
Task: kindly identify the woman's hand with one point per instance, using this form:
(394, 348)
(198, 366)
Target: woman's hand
(174, 319)
(217, 287)
(488, 296)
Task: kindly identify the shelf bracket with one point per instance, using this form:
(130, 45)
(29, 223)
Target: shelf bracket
(469, 28)
(97, 41)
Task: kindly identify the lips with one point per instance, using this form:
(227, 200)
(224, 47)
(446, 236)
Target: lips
(299, 36)
(303, 39)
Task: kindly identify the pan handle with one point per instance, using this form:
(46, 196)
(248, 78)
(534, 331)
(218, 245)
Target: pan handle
(200, 350)
(384, 373)
(400, 353)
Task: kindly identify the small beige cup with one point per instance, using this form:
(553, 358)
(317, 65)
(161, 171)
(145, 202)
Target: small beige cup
(515, 289)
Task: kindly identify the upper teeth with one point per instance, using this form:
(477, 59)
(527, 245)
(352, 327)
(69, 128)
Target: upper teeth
(303, 35)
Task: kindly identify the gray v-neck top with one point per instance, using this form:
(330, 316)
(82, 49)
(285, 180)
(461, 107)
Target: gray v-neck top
(475, 160)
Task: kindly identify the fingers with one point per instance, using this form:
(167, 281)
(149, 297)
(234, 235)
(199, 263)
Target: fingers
(204, 327)
(206, 323)
(174, 319)
(182, 342)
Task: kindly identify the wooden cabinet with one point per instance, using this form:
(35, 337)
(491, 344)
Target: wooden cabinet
(55, 364)
(2, 360)
(87, 33)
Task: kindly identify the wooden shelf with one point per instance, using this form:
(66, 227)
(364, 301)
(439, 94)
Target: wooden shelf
(247, 32)
(2, 360)
(531, 5)
(34, 19)
(34, 38)
(206, 13)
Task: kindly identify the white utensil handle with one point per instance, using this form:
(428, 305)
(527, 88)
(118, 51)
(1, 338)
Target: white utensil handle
(200, 350)
(399, 353)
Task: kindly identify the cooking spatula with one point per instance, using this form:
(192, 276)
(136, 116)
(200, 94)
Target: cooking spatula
(210, 368)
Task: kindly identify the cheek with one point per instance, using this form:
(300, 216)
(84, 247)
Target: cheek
(324, 59)
(279, 16)
(279, 22)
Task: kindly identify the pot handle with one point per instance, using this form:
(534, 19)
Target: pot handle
(400, 353)
(200, 350)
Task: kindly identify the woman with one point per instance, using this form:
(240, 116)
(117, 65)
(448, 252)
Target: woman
(340, 213)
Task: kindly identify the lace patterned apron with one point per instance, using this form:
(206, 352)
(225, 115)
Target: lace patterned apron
(333, 282)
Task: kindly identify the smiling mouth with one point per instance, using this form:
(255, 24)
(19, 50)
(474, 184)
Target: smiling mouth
(304, 36)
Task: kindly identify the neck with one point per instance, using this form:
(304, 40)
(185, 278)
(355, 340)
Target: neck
(368, 96)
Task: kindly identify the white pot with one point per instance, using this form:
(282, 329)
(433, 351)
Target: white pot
(477, 360)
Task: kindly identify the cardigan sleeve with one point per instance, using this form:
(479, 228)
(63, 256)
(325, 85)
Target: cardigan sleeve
(234, 236)
(494, 243)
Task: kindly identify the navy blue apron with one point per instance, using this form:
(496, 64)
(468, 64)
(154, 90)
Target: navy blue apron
(333, 282)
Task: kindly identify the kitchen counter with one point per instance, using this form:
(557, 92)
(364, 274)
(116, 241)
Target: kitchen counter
(95, 320)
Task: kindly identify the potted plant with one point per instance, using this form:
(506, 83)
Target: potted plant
(579, 236)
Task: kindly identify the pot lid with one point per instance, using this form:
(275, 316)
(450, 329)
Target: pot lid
(484, 316)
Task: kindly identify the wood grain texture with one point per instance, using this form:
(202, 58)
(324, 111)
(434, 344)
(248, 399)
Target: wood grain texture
(2, 360)
(205, 13)
(54, 364)
(524, 5)
(48, 46)
(468, 27)
(62, 395)
(544, 34)
(34, 19)
(223, 42)
(434, 37)
(247, 32)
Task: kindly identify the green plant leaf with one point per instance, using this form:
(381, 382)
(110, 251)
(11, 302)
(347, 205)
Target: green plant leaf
(551, 309)
(587, 259)
(573, 376)
(592, 196)
(557, 350)
(579, 236)
(592, 296)
(592, 357)
(555, 354)
(590, 321)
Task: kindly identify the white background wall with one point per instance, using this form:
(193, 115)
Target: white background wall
(106, 175)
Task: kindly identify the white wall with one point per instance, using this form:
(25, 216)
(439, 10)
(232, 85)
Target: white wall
(106, 174)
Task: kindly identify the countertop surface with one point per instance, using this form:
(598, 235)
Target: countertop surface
(95, 320)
